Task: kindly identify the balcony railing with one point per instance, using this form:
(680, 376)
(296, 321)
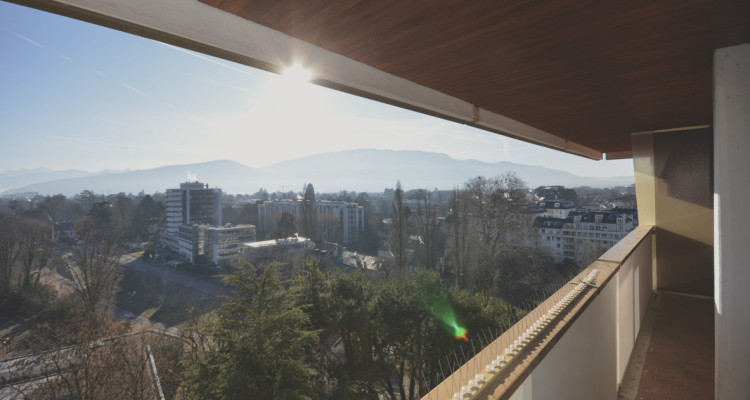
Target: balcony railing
(576, 344)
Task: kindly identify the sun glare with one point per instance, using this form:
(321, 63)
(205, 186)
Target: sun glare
(297, 74)
(292, 93)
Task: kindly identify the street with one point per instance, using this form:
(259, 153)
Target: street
(206, 285)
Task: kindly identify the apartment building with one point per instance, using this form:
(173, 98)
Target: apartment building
(334, 220)
(557, 208)
(583, 232)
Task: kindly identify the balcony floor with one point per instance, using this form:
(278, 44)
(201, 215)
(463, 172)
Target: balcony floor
(673, 357)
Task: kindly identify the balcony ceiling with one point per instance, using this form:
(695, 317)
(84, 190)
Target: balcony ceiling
(586, 71)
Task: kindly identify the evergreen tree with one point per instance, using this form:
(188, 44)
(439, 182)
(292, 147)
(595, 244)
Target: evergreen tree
(399, 237)
(309, 217)
(287, 225)
(257, 343)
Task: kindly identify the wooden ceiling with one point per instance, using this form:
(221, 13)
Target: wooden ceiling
(588, 71)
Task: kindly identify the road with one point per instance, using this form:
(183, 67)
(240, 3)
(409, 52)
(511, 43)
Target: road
(206, 285)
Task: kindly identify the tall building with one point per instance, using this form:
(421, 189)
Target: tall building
(336, 221)
(193, 204)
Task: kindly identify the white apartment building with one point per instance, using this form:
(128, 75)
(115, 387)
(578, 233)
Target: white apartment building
(335, 220)
(583, 231)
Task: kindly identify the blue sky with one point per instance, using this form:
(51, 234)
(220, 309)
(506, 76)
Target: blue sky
(78, 96)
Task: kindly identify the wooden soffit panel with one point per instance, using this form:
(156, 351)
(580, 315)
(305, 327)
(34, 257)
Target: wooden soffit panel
(587, 72)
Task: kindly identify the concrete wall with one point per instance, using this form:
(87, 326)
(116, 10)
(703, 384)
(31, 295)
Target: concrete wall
(674, 183)
(732, 190)
(634, 288)
(582, 365)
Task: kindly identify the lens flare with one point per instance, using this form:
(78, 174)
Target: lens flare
(460, 333)
(436, 302)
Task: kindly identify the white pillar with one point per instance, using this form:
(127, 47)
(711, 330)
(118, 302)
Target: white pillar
(732, 221)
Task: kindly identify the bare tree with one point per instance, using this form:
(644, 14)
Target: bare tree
(91, 357)
(487, 221)
(38, 249)
(495, 205)
(94, 265)
(11, 248)
(427, 229)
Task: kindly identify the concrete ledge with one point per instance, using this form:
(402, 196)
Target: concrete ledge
(622, 250)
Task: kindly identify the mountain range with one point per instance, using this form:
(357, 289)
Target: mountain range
(351, 170)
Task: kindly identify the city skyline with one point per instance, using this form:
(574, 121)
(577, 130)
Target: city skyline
(79, 96)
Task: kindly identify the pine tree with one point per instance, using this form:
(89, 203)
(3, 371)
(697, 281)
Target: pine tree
(256, 344)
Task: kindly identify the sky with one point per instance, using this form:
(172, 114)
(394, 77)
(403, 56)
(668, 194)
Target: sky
(78, 96)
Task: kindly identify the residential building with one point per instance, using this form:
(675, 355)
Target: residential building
(625, 201)
(581, 233)
(557, 208)
(334, 220)
(548, 236)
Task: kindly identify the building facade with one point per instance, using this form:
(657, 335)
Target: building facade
(582, 233)
(333, 220)
(290, 251)
(193, 204)
(557, 208)
(223, 245)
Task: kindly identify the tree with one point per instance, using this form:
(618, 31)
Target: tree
(311, 289)
(404, 329)
(91, 357)
(261, 195)
(86, 199)
(95, 262)
(102, 213)
(427, 230)
(398, 239)
(351, 313)
(330, 228)
(491, 222)
(55, 208)
(149, 217)
(38, 249)
(257, 343)
(287, 225)
(124, 210)
(462, 243)
(309, 217)
(249, 214)
(11, 249)
(495, 204)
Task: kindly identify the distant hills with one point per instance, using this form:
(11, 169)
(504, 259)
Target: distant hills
(352, 170)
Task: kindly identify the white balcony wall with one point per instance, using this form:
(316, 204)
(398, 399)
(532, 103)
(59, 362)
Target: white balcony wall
(634, 288)
(590, 359)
